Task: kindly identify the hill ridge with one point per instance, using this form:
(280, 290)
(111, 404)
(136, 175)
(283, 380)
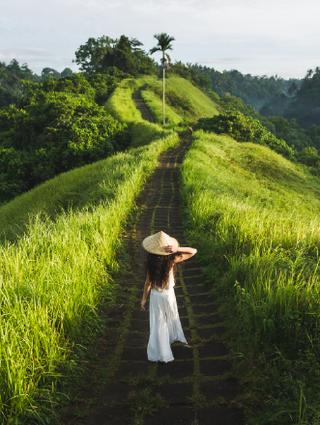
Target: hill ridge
(126, 388)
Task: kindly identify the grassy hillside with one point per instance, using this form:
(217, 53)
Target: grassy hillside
(122, 106)
(191, 102)
(254, 217)
(121, 103)
(154, 103)
(58, 249)
(58, 272)
(59, 244)
(184, 101)
(83, 185)
(90, 184)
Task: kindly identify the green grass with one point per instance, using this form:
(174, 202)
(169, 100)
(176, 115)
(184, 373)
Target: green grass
(58, 252)
(154, 102)
(183, 99)
(73, 189)
(253, 215)
(121, 104)
(54, 277)
(185, 104)
(188, 94)
(143, 132)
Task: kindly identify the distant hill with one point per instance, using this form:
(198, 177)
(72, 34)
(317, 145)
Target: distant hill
(257, 91)
(305, 107)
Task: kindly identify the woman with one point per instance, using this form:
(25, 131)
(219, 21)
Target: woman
(163, 253)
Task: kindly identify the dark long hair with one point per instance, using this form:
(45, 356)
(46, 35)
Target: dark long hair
(158, 267)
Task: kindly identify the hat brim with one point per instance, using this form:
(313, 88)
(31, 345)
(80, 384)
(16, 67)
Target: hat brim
(158, 250)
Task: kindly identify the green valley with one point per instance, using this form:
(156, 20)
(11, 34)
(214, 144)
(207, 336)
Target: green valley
(87, 172)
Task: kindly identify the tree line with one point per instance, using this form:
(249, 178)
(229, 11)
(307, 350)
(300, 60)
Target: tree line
(55, 121)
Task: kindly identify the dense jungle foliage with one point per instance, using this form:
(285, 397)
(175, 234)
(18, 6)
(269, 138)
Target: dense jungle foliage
(56, 121)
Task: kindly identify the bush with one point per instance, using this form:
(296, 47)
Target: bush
(105, 83)
(245, 129)
(13, 172)
(310, 156)
(57, 131)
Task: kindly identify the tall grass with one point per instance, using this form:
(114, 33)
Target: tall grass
(184, 101)
(185, 104)
(121, 104)
(254, 216)
(55, 276)
(73, 189)
(154, 102)
(200, 104)
(143, 132)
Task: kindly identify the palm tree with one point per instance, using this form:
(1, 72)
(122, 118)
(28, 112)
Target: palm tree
(164, 44)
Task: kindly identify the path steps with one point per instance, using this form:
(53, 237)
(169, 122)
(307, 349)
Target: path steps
(123, 387)
(142, 107)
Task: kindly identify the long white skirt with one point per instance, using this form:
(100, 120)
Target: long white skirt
(165, 325)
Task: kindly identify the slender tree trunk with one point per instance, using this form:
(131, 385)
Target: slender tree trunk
(163, 91)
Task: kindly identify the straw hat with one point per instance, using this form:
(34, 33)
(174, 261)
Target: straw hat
(155, 243)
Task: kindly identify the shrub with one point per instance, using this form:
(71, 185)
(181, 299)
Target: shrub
(310, 156)
(54, 133)
(245, 129)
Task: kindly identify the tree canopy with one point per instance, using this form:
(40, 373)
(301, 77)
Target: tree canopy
(99, 55)
(306, 104)
(164, 43)
(57, 126)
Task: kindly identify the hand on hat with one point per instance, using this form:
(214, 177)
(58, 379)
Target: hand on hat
(169, 248)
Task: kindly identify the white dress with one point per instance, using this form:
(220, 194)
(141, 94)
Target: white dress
(164, 321)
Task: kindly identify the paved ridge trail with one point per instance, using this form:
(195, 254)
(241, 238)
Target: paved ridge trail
(142, 107)
(122, 386)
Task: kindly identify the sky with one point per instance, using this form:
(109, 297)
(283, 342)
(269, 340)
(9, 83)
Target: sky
(257, 37)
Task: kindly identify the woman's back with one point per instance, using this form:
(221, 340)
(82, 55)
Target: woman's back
(170, 283)
(165, 324)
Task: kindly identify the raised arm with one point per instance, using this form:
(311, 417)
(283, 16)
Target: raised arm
(185, 253)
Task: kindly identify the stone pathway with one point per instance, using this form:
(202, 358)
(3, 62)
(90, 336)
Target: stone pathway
(122, 386)
(142, 107)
